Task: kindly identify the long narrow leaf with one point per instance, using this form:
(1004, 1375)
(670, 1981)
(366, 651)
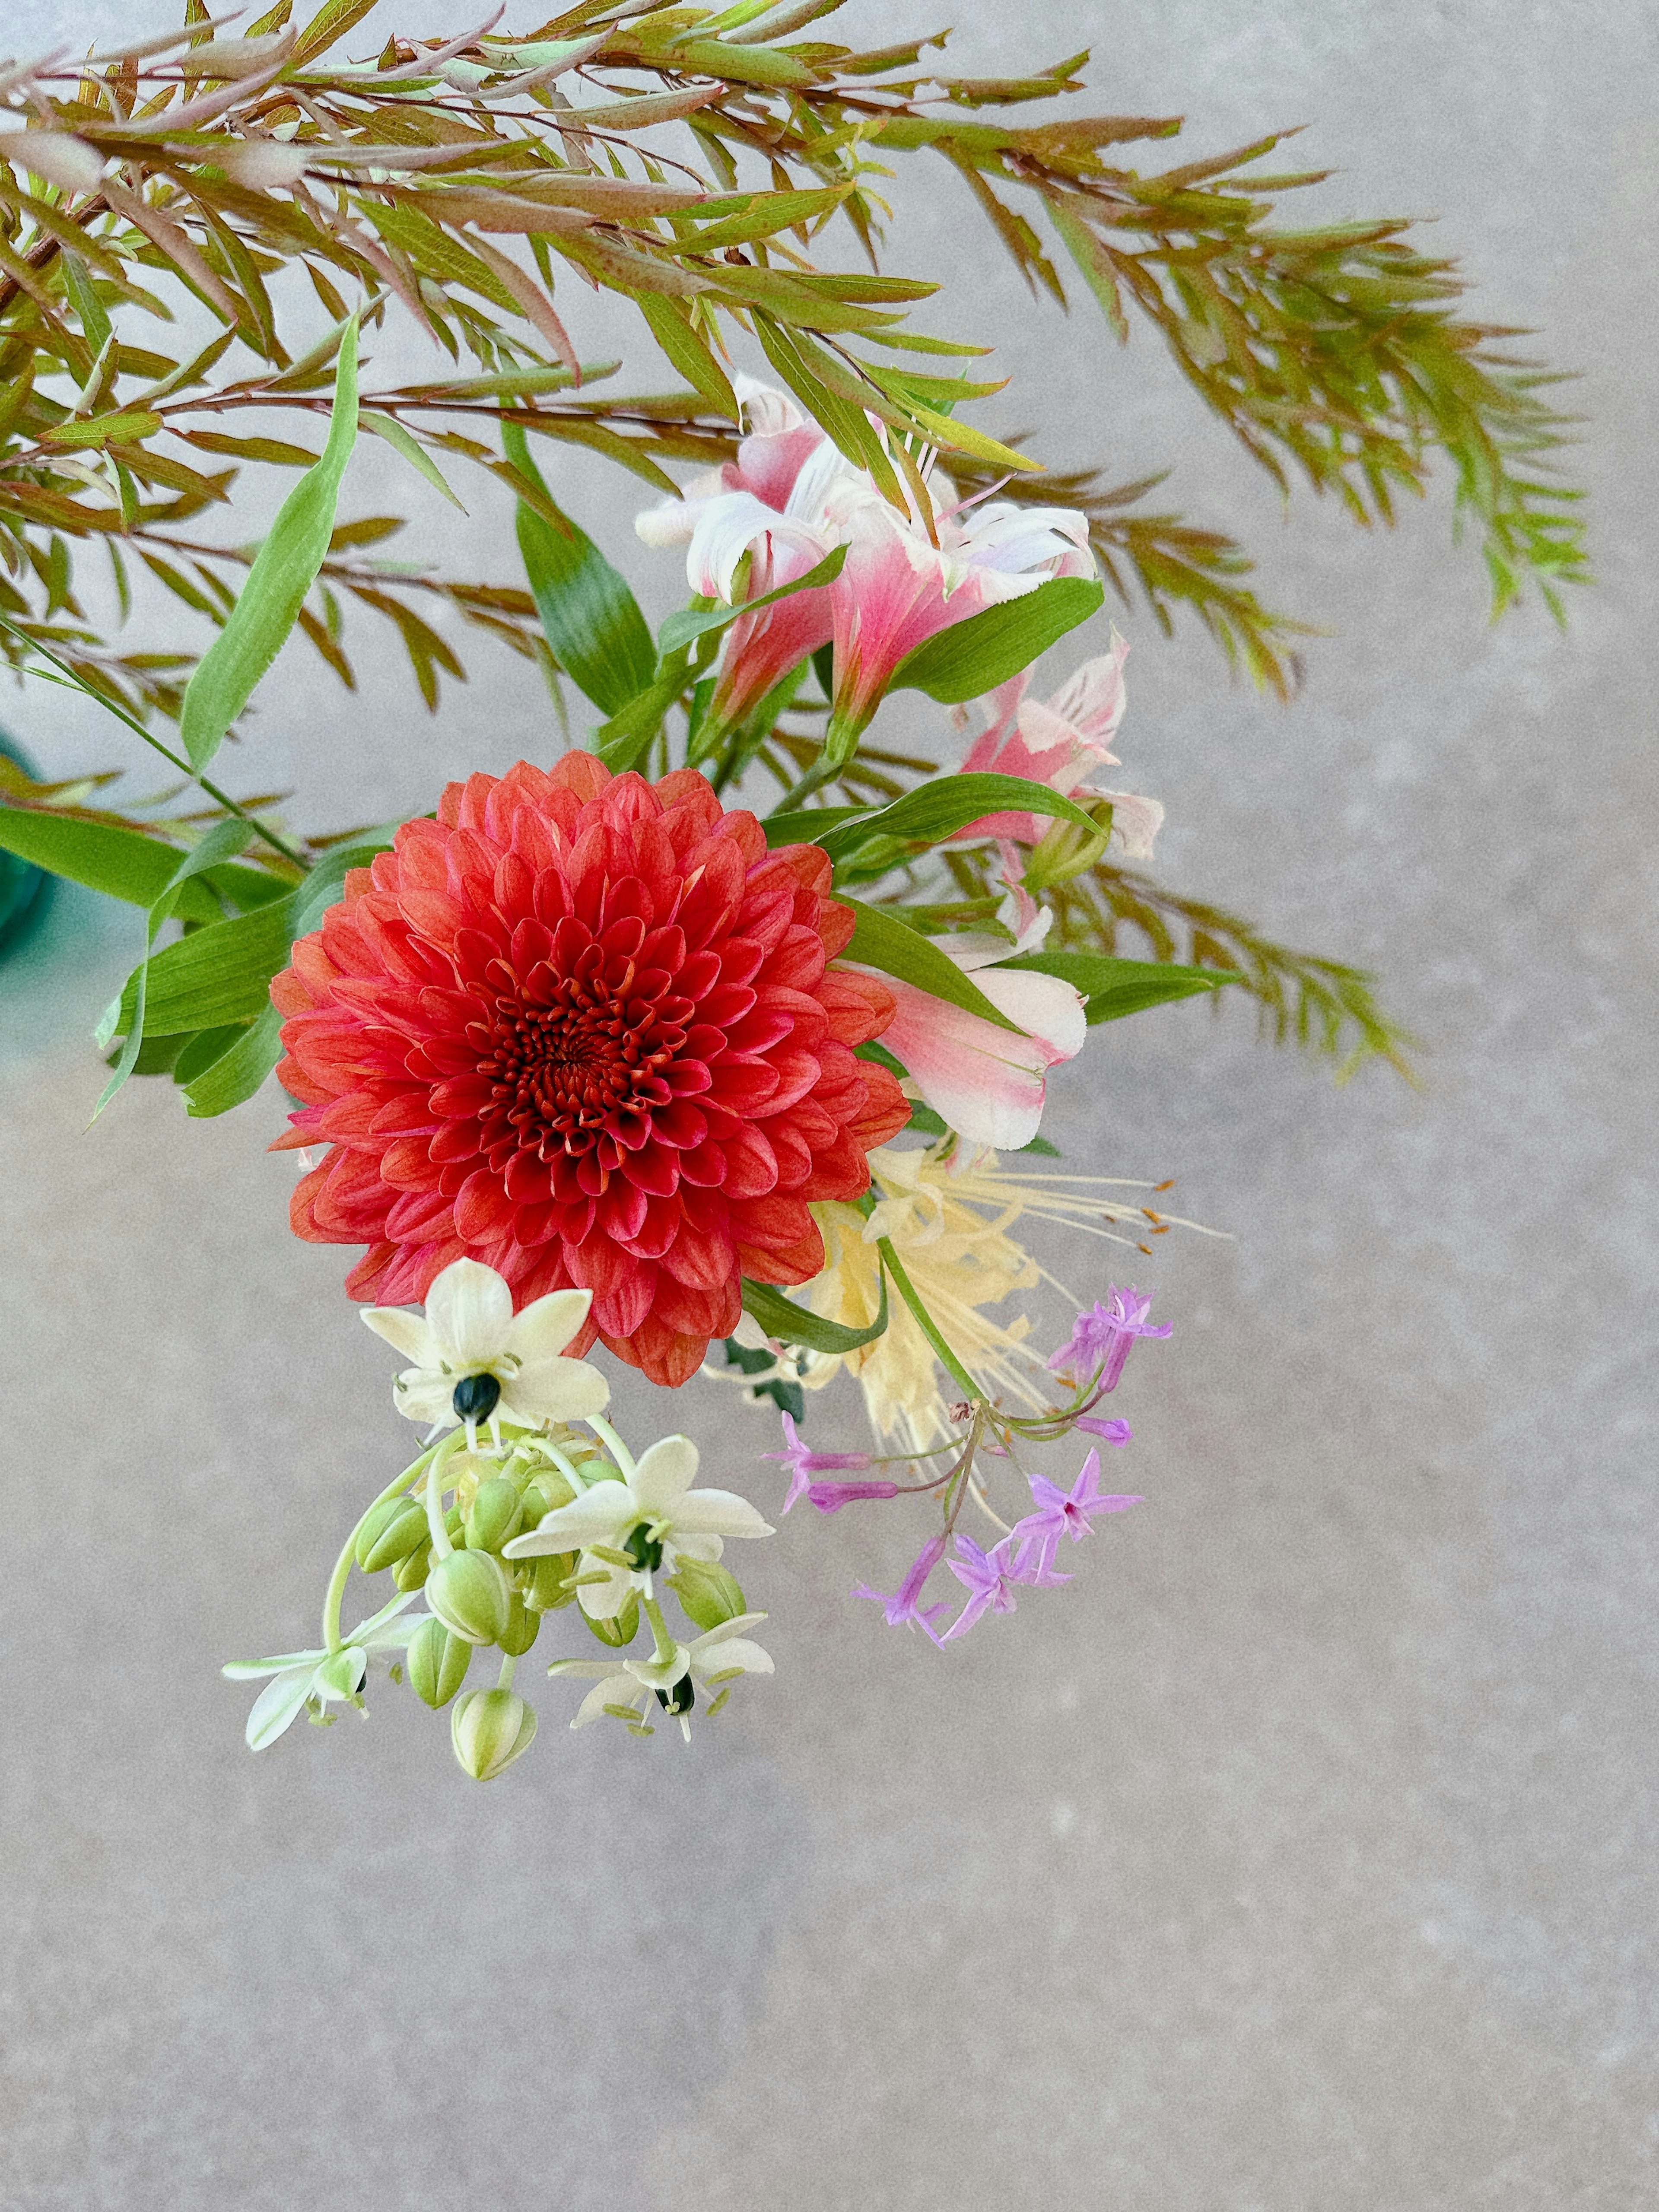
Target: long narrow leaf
(591, 618)
(283, 572)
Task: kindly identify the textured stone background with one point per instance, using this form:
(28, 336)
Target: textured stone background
(1301, 1854)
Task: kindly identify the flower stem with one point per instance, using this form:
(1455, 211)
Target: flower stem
(442, 1546)
(509, 1668)
(925, 1320)
(653, 1611)
(606, 1434)
(567, 1467)
(338, 1580)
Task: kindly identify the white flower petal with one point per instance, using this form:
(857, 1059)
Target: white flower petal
(766, 409)
(555, 1390)
(278, 1706)
(419, 1395)
(665, 1472)
(599, 1516)
(546, 1326)
(671, 524)
(746, 1658)
(718, 1513)
(471, 1310)
(604, 1600)
(1043, 1006)
(693, 1548)
(615, 1690)
(408, 1333)
(660, 1673)
(724, 1632)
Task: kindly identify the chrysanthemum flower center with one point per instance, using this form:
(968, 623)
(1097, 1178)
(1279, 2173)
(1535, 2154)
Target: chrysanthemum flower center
(568, 1057)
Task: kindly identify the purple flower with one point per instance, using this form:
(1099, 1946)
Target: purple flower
(1101, 1338)
(1114, 1432)
(989, 1577)
(830, 1496)
(1061, 1513)
(901, 1609)
(803, 1464)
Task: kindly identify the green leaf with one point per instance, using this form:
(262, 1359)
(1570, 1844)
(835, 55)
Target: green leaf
(689, 351)
(211, 977)
(591, 618)
(126, 864)
(973, 657)
(402, 442)
(325, 885)
(679, 630)
(1115, 988)
(781, 1317)
(283, 572)
(223, 843)
(880, 939)
(806, 825)
(236, 1074)
(936, 808)
(622, 742)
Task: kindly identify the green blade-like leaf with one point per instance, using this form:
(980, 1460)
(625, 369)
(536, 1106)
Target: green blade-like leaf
(236, 1074)
(949, 803)
(681, 630)
(1115, 988)
(881, 939)
(806, 825)
(283, 572)
(126, 864)
(973, 657)
(591, 619)
(781, 1317)
(212, 976)
(223, 843)
(403, 442)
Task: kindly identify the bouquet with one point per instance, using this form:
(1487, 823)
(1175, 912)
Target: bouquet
(716, 1041)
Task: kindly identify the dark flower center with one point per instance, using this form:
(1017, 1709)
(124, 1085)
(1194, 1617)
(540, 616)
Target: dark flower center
(476, 1397)
(640, 1552)
(572, 1055)
(680, 1699)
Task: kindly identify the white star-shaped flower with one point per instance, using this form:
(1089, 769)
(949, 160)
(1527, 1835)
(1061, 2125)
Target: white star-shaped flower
(708, 1662)
(644, 1520)
(474, 1360)
(296, 1678)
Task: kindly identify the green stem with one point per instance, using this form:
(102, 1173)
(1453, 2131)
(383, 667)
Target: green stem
(509, 1668)
(338, 1580)
(220, 797)
(624, 1458)
(665, 1643)
(925, 1320)
(442, 1546)
(567, 1467)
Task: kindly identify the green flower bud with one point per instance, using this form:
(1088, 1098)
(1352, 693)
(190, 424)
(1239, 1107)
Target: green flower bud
(469, 1593)
(379, 1518)
(493, 1516)
(523, 1627)
(341, 1675)
(413, 1571)
(549, 1571)
(546, 1489)
(624, 1629)
(455, 1525)
(438, 1662)
(489, 1729)
(399, 1535)
(707, 1591)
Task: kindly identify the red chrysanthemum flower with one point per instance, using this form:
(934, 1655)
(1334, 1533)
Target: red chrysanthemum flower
(583, 1028)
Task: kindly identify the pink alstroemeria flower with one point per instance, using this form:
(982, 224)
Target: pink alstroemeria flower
(986, 1081)
(769, 504)
(1061, 742)
(899, 588)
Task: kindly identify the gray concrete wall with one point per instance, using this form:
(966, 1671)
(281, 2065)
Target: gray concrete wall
(1300, 1854)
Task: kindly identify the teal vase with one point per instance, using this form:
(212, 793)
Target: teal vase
(24, 888)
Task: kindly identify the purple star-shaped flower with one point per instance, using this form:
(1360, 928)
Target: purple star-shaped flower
(901, 1609)
(988, 1578)
(1101, 1338)
(1061, 1513)
(803, 1464)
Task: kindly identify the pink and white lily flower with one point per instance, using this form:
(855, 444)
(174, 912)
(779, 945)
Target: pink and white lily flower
(899, 588)
(987, 1082)
(1061, 742)
(768, 504)
(787, 502)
